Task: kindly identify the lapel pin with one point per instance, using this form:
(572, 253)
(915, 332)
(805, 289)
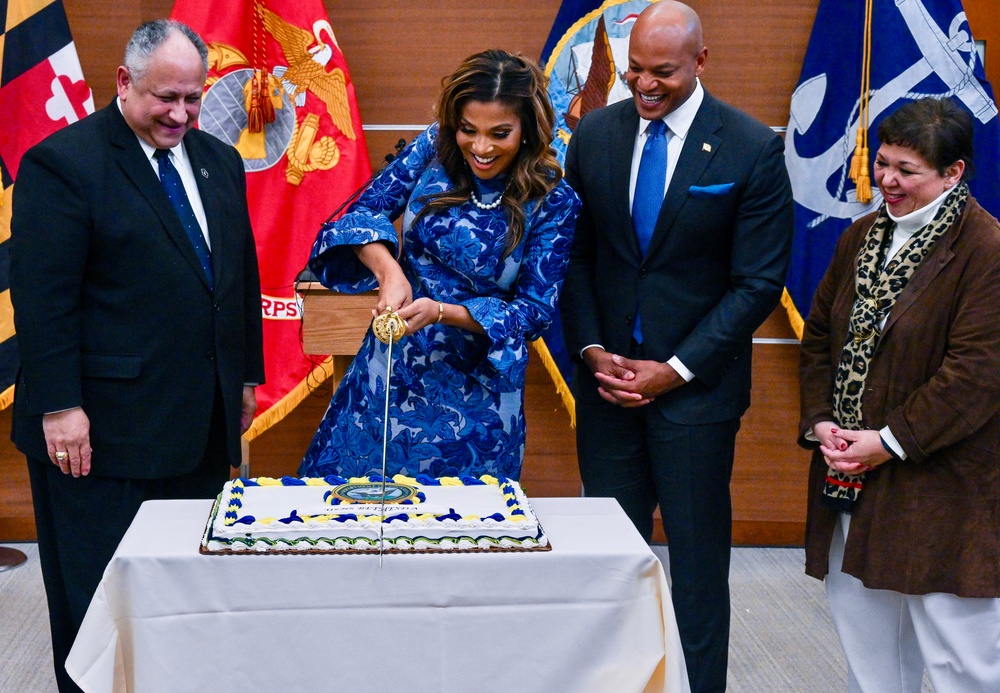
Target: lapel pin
(204, 173)
(705, 147)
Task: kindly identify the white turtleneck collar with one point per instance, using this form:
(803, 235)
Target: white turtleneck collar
(919, 218)
(909, 224)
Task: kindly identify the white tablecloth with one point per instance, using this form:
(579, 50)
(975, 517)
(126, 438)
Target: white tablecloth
(593, 614)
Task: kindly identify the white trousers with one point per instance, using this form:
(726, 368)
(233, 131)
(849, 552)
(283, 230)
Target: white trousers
(889, 638)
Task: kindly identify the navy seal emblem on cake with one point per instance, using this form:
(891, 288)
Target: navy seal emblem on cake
(369, 492)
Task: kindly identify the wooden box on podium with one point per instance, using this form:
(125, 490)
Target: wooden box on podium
(334, 323)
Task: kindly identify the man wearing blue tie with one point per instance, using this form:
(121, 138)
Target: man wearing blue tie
(680, 254)
(137, 305)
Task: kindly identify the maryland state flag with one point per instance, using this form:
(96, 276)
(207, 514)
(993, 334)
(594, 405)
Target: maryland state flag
(585, 58)
(856, 72)
(41, 90)
(279, 91)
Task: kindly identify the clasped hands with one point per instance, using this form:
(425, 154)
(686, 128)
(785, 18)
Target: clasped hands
(850, 452)
(630, 382)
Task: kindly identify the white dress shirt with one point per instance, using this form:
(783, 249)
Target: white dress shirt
(181, 162)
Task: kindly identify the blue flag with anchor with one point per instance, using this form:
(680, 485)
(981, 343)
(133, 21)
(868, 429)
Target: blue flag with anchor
(919, 48)
(585, 59)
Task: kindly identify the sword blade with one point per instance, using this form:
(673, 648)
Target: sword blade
(385, 444)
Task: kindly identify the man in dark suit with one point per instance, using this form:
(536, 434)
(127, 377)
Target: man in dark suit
(137, 307)
(660, 303)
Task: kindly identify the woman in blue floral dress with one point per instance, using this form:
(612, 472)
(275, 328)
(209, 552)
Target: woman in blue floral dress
(486, 230)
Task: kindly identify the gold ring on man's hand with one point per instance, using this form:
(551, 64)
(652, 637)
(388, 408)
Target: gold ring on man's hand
(62, 456)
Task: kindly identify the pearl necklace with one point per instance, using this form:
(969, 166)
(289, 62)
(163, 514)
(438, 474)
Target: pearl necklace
(482, 205)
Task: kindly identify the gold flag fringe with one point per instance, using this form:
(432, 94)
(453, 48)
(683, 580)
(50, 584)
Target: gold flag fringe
(562, 389)
(860, 161)
(794, 317)
(286, 404)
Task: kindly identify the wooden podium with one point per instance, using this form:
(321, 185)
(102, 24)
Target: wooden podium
(334, 323)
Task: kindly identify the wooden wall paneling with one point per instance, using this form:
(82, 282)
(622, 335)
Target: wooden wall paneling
(16, 516)
(755, 53)
(769, 476)
(550, 467)
(399, 51)
(984, 20)
(101, 28)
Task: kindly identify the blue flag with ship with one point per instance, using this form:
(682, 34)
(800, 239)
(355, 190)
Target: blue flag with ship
(585, 59)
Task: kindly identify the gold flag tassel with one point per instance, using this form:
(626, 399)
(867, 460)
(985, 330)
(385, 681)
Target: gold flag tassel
(860, 162)
(260, 111)
(859, 143)
(266, 105)
(255, 119)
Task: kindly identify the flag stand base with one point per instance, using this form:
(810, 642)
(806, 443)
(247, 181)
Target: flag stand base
(10, 558)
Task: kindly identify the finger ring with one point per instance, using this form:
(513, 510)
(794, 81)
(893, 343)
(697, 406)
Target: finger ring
(62, 456)
(388, 309)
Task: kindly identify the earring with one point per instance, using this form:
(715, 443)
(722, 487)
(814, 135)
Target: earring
(524, 140)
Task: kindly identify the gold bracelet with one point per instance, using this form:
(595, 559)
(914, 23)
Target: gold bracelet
(440, 311)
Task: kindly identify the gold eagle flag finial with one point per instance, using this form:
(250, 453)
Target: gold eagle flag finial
(307, 56)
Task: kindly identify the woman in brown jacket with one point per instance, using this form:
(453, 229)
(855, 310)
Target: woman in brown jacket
(900, 396)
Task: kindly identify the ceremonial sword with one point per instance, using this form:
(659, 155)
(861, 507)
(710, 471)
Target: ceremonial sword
(388, 328)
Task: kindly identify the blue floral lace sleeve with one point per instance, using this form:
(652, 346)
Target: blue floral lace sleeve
(544, 256)
(369, 220)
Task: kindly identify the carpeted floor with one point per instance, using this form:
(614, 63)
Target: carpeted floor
(25, 644)
(782, 638)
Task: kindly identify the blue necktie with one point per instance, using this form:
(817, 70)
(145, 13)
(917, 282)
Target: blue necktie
(174, 188)
(648, 197)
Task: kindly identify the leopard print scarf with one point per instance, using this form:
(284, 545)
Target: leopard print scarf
(877, 290)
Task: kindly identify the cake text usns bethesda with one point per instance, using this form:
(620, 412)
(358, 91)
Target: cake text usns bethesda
(338, 515)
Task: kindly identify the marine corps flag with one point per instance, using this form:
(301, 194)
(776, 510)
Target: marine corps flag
(41, 90)
(915, 48)
(279, 91)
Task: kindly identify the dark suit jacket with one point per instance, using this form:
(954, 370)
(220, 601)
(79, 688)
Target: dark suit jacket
(112, 310)
(715, 267)
(929, 523)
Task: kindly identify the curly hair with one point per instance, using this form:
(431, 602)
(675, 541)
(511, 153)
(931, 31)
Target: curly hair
(516, 82)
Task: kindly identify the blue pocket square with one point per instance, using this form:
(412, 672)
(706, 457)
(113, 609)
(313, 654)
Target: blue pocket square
(710, 190)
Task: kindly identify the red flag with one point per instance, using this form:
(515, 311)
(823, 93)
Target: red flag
(278, 89)
(41, 90)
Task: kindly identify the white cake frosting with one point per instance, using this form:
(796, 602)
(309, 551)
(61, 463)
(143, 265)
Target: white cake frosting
(334, 514)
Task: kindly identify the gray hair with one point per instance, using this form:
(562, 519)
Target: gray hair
(150, 36)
